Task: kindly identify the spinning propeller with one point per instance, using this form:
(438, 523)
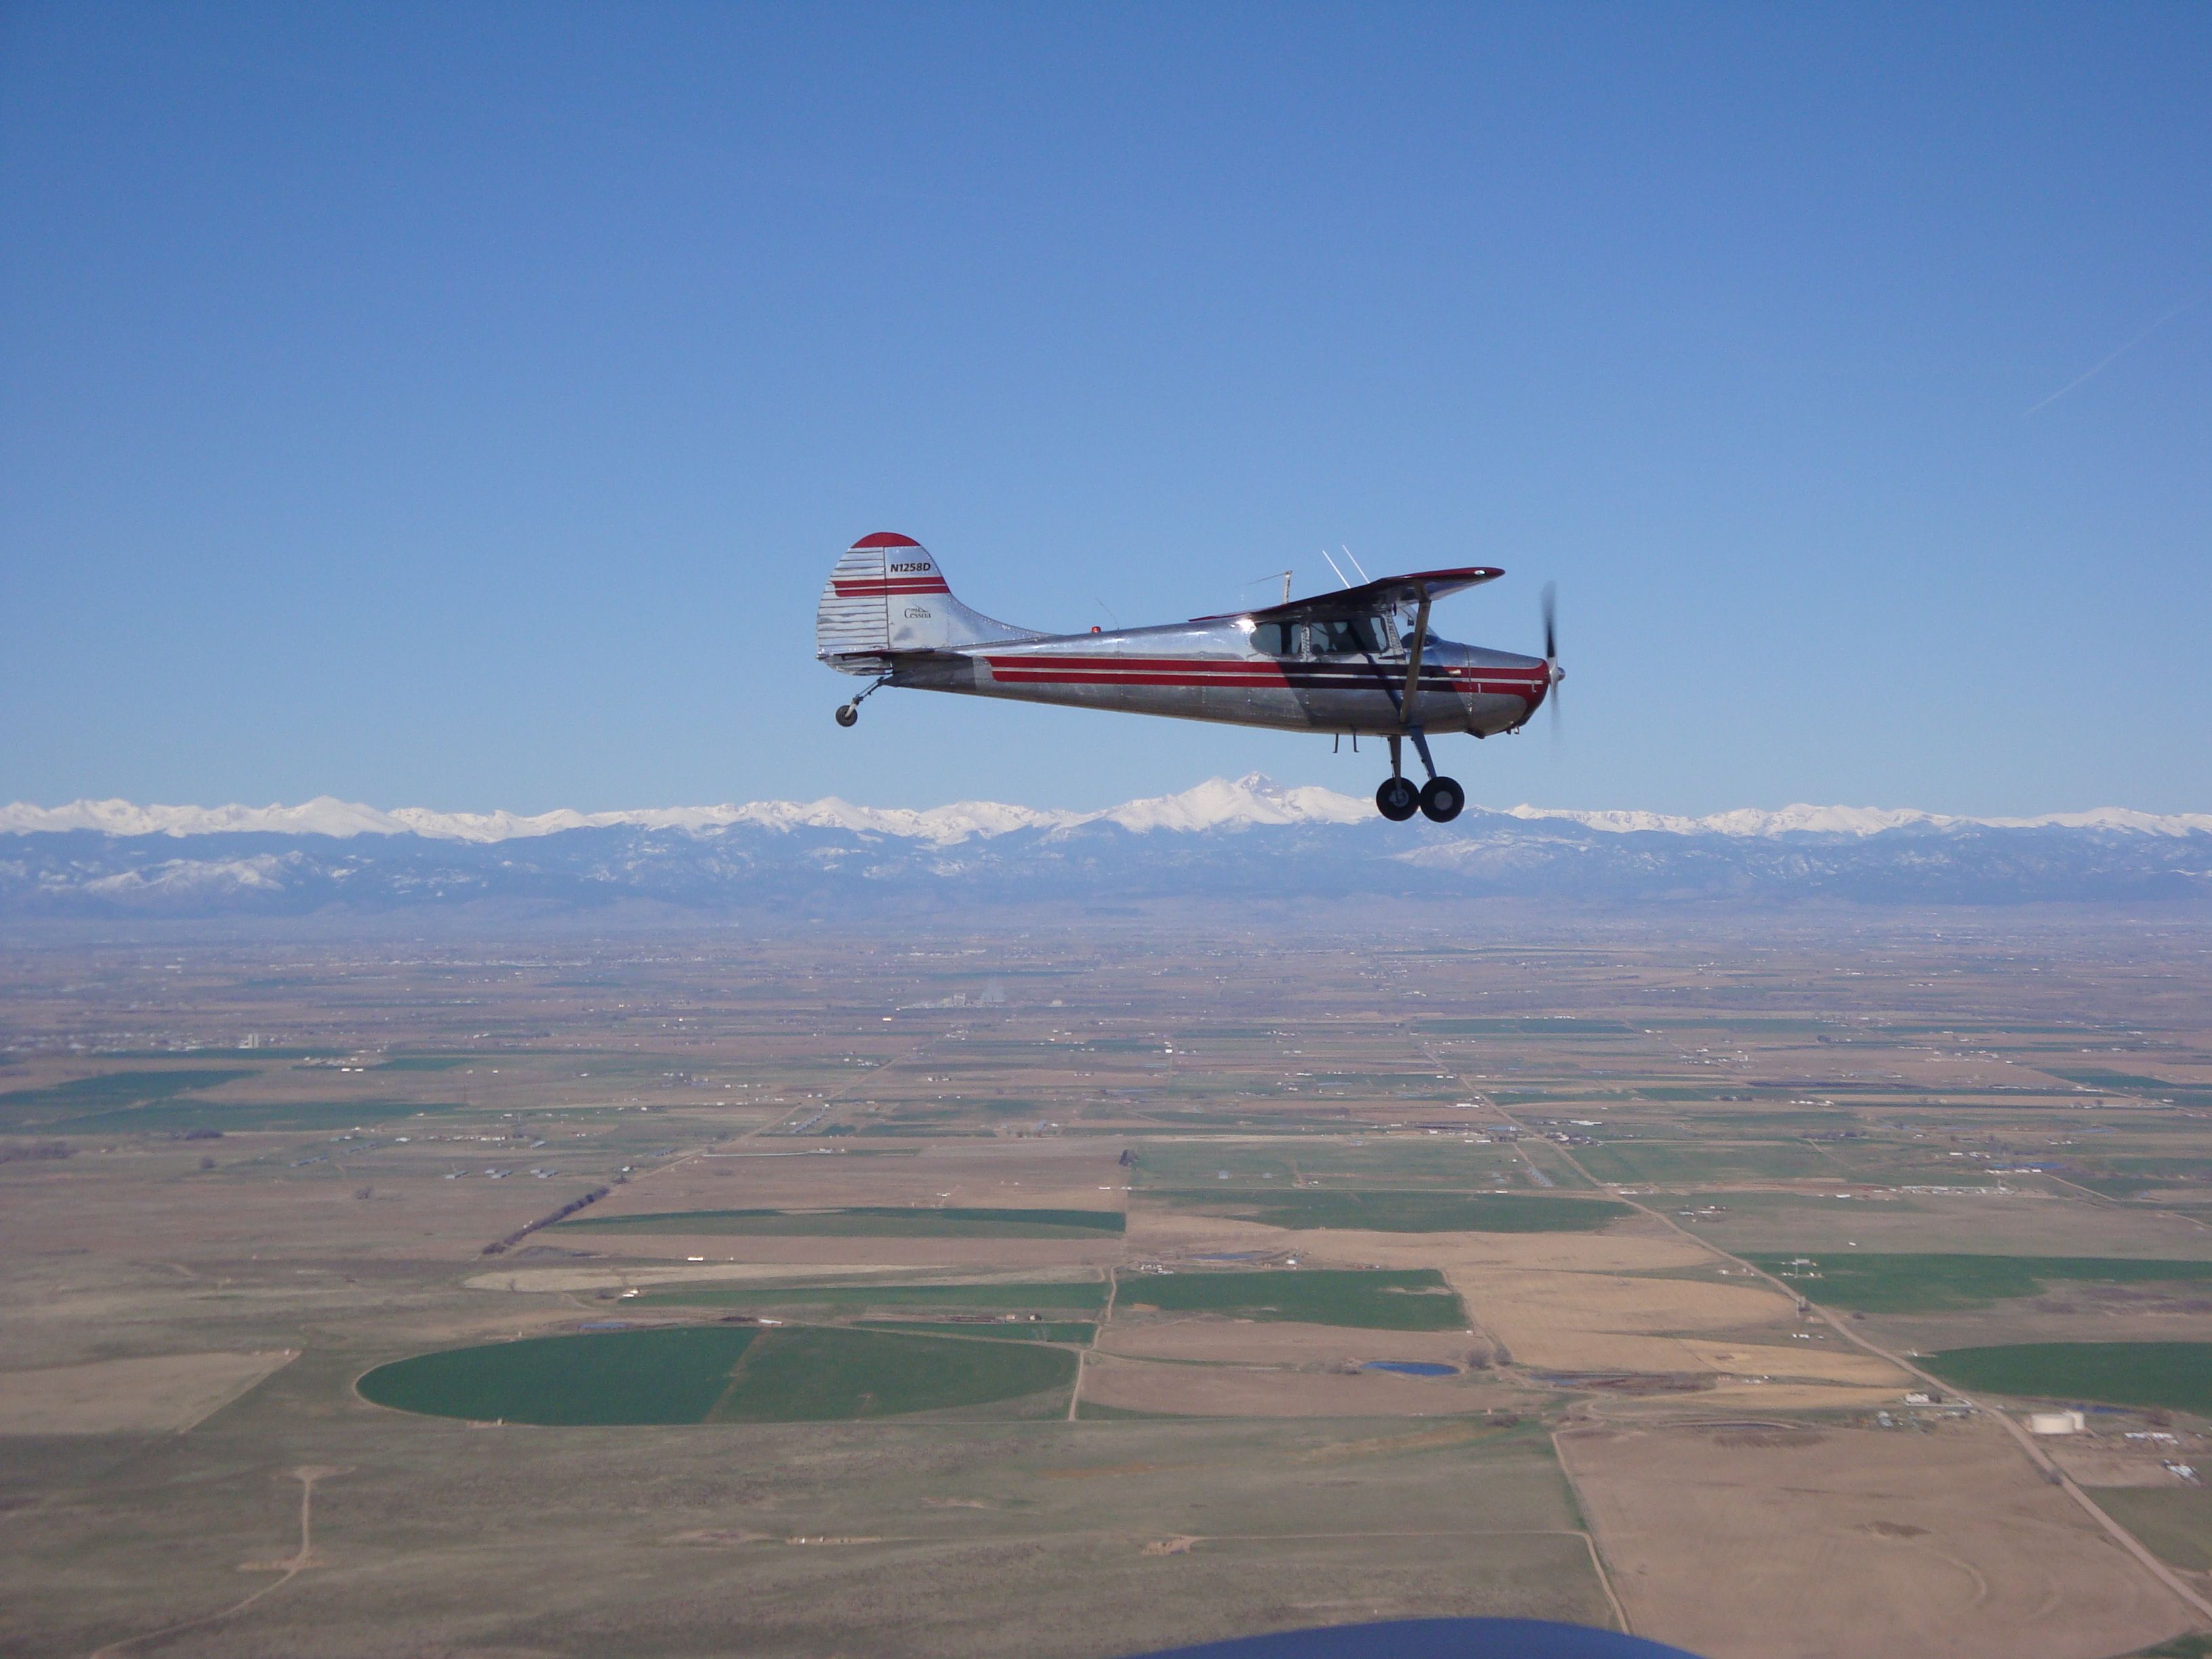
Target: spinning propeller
(1551, 652)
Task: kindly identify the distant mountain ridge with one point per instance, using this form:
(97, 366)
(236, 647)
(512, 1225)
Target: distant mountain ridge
(1217, 803)
(1245, 839)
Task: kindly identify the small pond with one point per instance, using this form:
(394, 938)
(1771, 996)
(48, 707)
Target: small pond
(1410, 1367)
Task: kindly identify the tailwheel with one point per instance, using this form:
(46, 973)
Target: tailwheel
(1441, 800)
(1397, 799)
(848, 713)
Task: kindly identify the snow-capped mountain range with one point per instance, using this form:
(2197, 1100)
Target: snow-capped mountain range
(1217, 803)
(1247, 839)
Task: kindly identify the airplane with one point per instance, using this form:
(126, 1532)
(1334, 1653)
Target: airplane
(1359, 662)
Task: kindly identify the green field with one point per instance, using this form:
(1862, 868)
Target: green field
(170, 1116)
(1084, 1295)
(673, 1376)
(1677, 1162)
(1868, 1282)
(813, 1374)
(1404, 1211)
(2175, 1522)
(1394, 1162)
(1529, 1026)
(715, 1373)
(865, 1221)
(88, 1101)
(2094, 1078)
(1413, 1299)
(996, 1330)
(2177, 1375)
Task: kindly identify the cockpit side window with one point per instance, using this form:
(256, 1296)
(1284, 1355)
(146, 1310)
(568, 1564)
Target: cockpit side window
(1276, 639)
(1346, 636)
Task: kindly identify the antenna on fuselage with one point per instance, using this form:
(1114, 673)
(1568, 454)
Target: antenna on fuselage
(1271, 576)
(1342, 580)
(1356, 565)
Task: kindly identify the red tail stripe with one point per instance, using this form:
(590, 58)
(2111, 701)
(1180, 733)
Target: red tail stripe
(870, 588)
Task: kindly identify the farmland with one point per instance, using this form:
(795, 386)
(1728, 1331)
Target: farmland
(2177, 1375)
(1081, 1296)
(711, 1373)
(1418, 1300)
(862, 1221)
(1883, 1282)
(1078, 1288)
(1370, 1211)
(636, 1377)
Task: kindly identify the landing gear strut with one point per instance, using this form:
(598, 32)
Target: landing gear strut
(848, 713)
(1439, 800)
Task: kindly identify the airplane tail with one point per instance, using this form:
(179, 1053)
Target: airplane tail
(887, 596)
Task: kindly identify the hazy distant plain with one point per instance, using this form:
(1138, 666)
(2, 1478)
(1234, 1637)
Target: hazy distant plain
(199, 1283)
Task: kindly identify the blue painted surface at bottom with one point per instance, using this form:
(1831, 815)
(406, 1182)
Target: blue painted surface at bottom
(1434, 1638)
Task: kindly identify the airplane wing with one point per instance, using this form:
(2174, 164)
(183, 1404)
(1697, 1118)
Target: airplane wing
(1368, 598)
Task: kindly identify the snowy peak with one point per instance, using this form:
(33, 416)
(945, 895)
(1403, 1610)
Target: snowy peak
(1219, 804)
(1802, 819)
(327, 816)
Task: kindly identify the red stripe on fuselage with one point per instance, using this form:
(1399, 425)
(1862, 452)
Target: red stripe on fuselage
(1247, 671)
(1264, 680)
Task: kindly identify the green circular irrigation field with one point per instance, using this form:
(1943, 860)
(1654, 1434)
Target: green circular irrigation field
(717, 1374)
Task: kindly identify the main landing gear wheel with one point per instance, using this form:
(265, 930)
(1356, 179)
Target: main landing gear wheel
(1441, 800)
(849, 714)
(1397, 799)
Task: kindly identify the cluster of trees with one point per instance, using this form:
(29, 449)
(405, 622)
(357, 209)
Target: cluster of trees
(499, 1246)
(16, 1152)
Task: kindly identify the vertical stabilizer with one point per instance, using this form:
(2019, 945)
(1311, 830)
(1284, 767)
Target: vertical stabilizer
(887, 596)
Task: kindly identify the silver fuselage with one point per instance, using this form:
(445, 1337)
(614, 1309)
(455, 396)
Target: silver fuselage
(1210, 671)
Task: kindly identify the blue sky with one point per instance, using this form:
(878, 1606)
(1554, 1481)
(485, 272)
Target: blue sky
(462, 406)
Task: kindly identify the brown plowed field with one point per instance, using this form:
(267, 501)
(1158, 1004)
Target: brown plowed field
(164, 1392)
(1221, 1390)
(1270, 1342)
(1856, 1544)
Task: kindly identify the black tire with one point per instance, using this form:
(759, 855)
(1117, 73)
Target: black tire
(1397, 799)
(1441, 800)
(847, 715)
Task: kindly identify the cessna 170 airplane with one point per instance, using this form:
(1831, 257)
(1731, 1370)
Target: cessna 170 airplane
(1358, 662)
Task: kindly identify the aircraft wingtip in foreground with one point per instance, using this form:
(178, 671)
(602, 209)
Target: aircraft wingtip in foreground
(1358, 662)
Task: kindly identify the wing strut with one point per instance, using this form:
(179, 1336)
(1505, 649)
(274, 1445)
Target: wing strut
(1413, 664)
